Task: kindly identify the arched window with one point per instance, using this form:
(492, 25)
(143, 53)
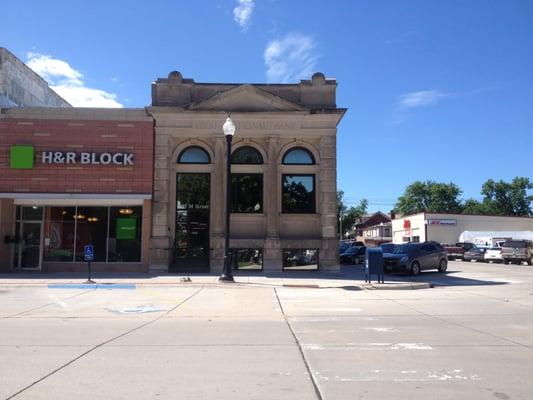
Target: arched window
(193, 155)
(247, 188)
(246, 155)
(298, 156)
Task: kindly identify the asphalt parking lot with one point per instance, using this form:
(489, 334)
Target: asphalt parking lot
(469, 337)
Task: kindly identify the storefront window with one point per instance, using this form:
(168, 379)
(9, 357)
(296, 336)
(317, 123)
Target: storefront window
(247, 193)
(300, 260)
(125, 228)
(114, 232)
(32, 213)
(91, 228)
(298, 194)
(59, 234)
(248, 259)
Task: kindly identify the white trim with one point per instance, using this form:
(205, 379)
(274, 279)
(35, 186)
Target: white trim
(7, 195)
(75, 235)
(66, 199)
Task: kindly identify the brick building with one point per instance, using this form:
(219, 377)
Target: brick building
(146, 187)
(69, 177)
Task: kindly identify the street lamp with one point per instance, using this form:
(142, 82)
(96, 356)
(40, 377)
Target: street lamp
(229, 131)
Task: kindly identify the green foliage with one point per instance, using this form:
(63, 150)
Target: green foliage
(349, 215)
(472, 206)
(499, 198)
(503, 198)
(430, 196)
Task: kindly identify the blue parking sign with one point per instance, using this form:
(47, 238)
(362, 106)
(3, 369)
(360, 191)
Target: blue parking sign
(89, 252)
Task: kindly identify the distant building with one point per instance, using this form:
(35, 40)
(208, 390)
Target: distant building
(446, 228)
(20, 86)
(369, 221)
(376, 234)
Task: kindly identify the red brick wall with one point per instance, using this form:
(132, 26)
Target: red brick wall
(78, 136)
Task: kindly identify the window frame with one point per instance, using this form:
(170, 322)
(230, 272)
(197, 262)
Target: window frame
(235, 250)
(241, 148)
(109, 208)
(309, 153)
(283, 211)
(262, 210)
(178, 160)
(301, 249)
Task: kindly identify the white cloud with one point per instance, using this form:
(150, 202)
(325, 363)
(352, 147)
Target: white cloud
(409, 101)
(68, 82)
(242, 14)
(420, 99)
(290, 58)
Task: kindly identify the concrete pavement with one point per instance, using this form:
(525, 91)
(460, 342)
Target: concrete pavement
(469, 337)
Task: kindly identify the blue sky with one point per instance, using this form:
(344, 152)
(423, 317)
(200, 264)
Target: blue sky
(438, 90)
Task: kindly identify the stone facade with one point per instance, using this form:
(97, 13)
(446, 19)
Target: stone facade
(271, 118)
(21, 87)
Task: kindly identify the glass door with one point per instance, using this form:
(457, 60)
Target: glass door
(30, 253)
(28, 250)
(191, 245)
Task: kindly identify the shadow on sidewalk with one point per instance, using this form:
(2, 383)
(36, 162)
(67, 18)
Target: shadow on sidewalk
(347, 273)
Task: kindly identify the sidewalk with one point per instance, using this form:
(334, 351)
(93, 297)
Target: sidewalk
(349, 278)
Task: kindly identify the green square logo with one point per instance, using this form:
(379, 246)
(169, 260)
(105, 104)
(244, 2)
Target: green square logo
(21, 156)
(126, 228)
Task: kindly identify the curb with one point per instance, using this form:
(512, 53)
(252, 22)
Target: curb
(397, 286)
(130, 285)
(303, 285)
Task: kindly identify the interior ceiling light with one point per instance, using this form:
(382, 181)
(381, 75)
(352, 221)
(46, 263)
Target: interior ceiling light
(79, 216)
(125, 211)
(92, 219)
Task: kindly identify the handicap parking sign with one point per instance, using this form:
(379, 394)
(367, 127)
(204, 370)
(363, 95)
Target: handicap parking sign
(89, 252)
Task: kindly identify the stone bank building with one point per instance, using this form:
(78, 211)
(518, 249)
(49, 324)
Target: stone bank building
(147, 186)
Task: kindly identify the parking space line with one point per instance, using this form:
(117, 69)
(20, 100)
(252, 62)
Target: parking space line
(300, 349)
(46, 305)
(103, 344)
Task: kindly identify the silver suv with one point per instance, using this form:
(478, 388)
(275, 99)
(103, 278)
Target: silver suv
(517, 251)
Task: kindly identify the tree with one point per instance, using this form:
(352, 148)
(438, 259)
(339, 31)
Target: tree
(349, 215)
(472, 206)
(430, 196)
(353, 214)
(503, 198)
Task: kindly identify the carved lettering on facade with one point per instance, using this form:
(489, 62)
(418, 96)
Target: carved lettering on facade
(267, 125)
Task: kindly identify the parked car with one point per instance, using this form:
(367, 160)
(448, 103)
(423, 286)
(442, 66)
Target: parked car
(346, 244)
(354, 255)
(416, 257)
(387, 247)
(475, 254)
(493, 254)
(458, 250)
(343, 246)
(517, 251)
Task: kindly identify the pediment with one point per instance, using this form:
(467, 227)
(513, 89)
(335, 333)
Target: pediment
(245, 98)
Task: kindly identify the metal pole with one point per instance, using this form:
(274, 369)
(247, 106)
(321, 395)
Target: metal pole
(227, 273)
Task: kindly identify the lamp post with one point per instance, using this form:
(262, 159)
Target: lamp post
(340, 225)
(229, 131)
